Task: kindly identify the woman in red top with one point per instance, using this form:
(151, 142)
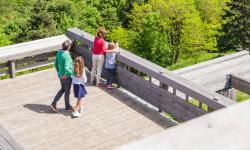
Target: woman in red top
(98, 53)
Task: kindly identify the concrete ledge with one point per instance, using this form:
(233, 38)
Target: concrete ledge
(32, 48)
(211, 62)
(225, 129)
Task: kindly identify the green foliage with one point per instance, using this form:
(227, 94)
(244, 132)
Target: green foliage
(5, 39)
(41, 23)
(236, 28)
(211, 14)
(122, 36)
(166, 32)
(241, 97)
(188, 61)
(152, 43)
(179, 21)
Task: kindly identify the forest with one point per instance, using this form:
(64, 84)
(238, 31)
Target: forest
(166, 32)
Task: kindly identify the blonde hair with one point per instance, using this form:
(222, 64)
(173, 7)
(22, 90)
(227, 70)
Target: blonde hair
(101, 32)
(111, 46)
(79, 66)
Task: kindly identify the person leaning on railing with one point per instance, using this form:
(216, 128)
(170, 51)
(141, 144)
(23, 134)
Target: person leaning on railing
(98, 53)
(64, 68)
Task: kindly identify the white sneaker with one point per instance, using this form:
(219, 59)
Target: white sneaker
(76, 114)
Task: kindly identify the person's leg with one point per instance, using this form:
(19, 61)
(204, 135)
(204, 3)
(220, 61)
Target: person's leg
(67, 87)
(108, 76)
(112, 74)
(76, 113)
(94, 66)
(59, 93)
(99, 69)
(78, 104)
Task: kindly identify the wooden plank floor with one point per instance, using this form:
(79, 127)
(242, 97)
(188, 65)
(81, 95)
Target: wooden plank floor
(110, 118)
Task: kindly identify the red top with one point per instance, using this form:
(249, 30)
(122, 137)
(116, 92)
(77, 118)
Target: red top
(99, 46)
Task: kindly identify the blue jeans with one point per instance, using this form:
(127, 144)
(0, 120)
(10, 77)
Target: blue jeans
(110, 76)
(65, 89)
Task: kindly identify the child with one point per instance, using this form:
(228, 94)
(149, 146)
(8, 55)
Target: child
(110, 63)
(79, 79)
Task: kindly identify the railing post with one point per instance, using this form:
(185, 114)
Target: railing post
(12, 68)
(149, 78)
(164, 86)
(200, 104)
(186, 97)
(209, 109)
(122, 65)
(174, 91)
(232, 94)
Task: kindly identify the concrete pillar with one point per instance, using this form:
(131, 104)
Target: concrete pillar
(230, 93)
(12, 68)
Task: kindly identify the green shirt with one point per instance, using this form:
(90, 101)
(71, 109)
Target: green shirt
(64, 64)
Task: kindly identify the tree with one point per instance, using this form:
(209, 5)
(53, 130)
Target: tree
(137, 15)
(123, 36)
(41, 23)
(211, 15)
(4, 39)
(151, 43)
(185, 28)
(193, 37)
(237, 25)
(179, 20)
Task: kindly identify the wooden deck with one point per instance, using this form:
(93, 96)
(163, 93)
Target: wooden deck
(110, 118)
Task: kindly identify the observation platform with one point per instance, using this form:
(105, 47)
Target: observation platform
(110, 118)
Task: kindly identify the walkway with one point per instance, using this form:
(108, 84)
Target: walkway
(212, 73)
(110, 118)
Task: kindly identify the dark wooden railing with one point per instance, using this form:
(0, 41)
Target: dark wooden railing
(135, 75)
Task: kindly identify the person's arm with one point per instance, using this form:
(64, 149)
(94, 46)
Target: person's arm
(56, 63)
(84, 77)
(68, 65)
(115, 50)
(104, 48)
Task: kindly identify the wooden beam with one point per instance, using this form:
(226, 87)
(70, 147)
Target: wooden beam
(19, 51)
(240, 83)
(157, 96)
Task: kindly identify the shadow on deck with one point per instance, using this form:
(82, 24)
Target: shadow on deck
(110, 118)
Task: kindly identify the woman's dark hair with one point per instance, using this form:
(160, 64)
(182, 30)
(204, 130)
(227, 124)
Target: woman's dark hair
(66, 45)
(101, 32)
(72, 46)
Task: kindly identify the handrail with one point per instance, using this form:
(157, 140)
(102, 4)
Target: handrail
(129, 60)
(19, 51)
(28, 55)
